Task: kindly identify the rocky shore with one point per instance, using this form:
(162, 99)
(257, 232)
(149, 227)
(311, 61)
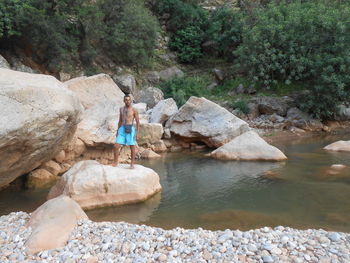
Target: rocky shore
(122, 242)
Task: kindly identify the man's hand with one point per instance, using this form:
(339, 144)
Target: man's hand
(137, 137)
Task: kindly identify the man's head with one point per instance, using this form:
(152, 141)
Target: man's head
(127, 99)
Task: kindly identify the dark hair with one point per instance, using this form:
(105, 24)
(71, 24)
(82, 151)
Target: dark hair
(127, 95)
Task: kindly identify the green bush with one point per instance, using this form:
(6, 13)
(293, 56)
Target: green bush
(306, 43)
(181, 89)
(225, 29)
(241, 105)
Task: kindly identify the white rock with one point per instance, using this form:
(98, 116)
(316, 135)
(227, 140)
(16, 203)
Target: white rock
(163, 111)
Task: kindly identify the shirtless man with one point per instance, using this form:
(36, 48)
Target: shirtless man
(127, 134)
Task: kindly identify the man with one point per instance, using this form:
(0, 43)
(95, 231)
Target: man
(127, 134)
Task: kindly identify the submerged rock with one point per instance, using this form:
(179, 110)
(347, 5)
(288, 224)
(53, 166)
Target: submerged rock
(339, 146)
(92, 184)
(249, 146)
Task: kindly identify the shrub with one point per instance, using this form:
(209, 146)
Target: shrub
(241, 105)
(301, 42)
(181, 89)
(225, 29)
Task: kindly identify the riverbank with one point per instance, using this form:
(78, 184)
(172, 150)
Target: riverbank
(123, 242)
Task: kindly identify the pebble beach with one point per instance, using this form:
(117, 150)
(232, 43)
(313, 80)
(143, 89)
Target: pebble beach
(123, 242)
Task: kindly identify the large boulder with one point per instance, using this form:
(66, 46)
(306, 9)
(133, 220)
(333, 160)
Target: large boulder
(101, 98)
(52, 224)
(170, 73)
(126, 82)
(151, 96)
(163, 111)
(150, 133)
(250, 147)
(339, 146)
(38, 118)
(270, 105)
(92, 184)
(200, 119)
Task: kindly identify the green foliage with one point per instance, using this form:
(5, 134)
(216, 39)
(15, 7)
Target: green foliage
(301, 42)
(241, 105)
(131, 33)
(68, 32)
(225, 29)
(181, 89)
(187, 43)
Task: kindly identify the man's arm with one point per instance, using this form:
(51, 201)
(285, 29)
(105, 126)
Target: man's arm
(120, 119)
(136, 114)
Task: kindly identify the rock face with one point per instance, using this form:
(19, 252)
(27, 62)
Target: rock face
(150, 133)
(202, 120)
(126, 82)
(270, 105)
(92, 184)
(151, 96)
(339, 146)
(52, 224)
(163, 111)
(248, 146)
(101, 99)
(38, 118)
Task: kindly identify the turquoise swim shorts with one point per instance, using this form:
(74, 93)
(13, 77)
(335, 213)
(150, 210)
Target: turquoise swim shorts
(126, 138)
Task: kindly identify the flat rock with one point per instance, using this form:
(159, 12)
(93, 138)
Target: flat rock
(200, 119)
(248, 146)
(92, 184)
(38, 119)
(52, 224)
(339, 146)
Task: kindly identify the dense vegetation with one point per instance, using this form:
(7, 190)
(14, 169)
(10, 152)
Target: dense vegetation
(65, 33)
(290, 43)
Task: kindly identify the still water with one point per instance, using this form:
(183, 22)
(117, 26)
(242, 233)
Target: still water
(202, 192)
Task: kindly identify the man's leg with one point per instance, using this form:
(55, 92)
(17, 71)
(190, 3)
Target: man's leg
(132, 149)
(116, 154)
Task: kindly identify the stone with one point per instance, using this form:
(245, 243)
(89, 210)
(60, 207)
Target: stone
(249, 146)
(60, 157)
(338, 146)
(152, 77)
(150, 133)
(163, 111)
(338, 166)
(343, 113)
(52, 167)
(101, 99)
(219, 75)
(52, 224)
(4, 63)
(149, 154)
(142, 110)
(160, 147)
(125, 82)
(18, 65)
(170, 73)
(240, 89)
(270, 105)
(39, 117)
(39, 178)
(202, 120)
(92, 184)
(212, 86)
(151, 96)
(166, 134)
(251, 90)
(63, 76)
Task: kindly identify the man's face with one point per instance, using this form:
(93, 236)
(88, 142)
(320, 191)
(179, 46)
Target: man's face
(127, 101)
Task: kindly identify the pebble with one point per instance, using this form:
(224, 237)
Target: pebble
(93, 242)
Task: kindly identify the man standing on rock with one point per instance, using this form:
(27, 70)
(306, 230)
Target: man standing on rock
(127, 134)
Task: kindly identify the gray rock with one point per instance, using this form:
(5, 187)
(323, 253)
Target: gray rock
(240, 89)
(170, 73)
(4, 63)
(219, 75)
(270, 105)
(343, 113)
(212, 86)
(267, 259)
(152, 77)
(125, 82)
(151, 96)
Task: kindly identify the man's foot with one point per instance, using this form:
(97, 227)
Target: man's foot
(132, 166)
(114, 164)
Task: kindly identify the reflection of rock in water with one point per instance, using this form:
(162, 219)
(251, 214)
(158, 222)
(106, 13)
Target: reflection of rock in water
(239, 219)
(135, 213)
